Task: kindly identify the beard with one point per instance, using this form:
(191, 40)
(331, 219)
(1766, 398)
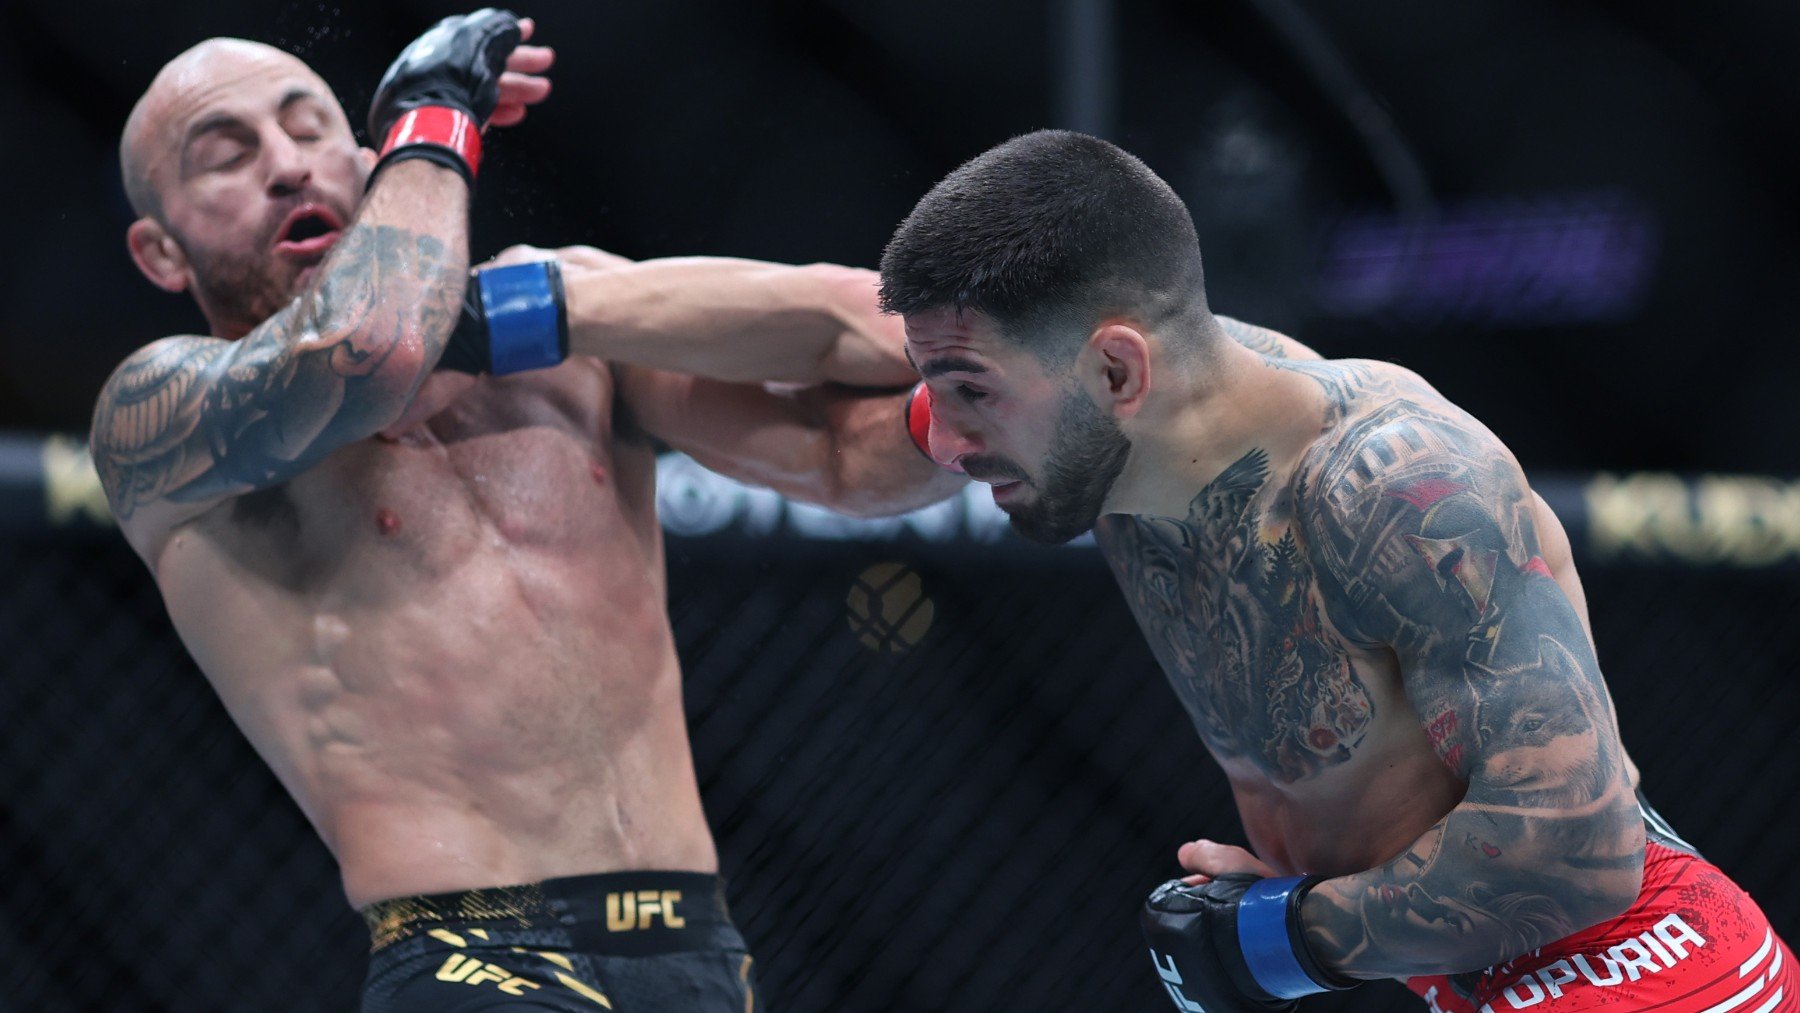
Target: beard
(239, 289)
(1084, 461)
(237, 292)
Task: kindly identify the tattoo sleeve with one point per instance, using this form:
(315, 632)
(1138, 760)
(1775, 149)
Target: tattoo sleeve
(191, 420)
(1425, 522)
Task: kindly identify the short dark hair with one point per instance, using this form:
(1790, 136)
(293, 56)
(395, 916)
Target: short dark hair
(1050, 227)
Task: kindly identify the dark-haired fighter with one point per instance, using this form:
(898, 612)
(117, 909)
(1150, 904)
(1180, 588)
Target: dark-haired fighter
(451, 645)
(1372, 621)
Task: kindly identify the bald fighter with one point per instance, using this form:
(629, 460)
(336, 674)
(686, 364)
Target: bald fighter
(450, 644)
(1372, 621)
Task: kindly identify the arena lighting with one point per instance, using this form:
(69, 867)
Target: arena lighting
(1743, 521)
(1520, 261)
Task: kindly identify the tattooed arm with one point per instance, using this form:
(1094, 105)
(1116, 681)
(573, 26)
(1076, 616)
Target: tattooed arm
(1264, 341)
(187, 421)
(1436, 552)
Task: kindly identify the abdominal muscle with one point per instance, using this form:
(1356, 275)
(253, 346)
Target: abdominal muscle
(488, 695)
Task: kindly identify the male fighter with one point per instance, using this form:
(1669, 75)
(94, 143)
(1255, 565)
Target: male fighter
(1370, 618)
(451, 644)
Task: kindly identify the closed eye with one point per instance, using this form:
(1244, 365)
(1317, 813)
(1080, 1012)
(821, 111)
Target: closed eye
(230, 160)
(970, 394)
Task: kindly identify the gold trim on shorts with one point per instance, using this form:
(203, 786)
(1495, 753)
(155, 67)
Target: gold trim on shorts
(390, 921)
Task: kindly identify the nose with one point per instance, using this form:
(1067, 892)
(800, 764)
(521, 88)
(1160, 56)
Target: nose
(288, 168)
(949, 441)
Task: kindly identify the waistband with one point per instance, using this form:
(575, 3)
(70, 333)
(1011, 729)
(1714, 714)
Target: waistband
(611, 913)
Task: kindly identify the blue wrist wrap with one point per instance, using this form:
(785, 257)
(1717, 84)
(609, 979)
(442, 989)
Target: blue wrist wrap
(526, 325)
(1262, 924)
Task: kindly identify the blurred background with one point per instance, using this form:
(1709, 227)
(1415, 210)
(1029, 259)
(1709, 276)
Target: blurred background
(1578, 220)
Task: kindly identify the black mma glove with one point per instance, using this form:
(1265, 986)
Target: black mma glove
(1234, 945)
(513, 319)
(433, 101)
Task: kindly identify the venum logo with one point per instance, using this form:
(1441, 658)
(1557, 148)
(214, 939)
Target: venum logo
(1667, 943)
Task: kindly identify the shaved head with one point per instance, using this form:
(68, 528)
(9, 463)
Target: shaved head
(181, 84)
(242, 169)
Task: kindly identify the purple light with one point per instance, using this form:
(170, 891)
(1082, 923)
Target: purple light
(1538, 261)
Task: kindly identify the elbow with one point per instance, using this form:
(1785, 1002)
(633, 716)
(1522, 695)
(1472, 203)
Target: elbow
(402, 372)
(383, 364)
(844, 490)
(1611, 894)
(875, 489)
(1629, 885)
(843, 482)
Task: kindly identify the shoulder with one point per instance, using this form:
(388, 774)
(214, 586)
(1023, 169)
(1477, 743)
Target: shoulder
(1388, 430)
(1402, 472)
(147, 391)
(149, 369)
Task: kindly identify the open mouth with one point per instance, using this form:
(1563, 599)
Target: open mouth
(308, 229)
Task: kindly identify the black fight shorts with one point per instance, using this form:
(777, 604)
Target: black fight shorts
(627, 941)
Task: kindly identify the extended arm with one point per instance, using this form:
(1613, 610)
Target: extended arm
(838, 447)
(738, 320)
(188, 421)
(1439, 558)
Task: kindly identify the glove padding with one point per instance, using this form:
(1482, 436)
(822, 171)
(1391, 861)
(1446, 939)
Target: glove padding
(456, 65)
(1219, 951)
(513, 319)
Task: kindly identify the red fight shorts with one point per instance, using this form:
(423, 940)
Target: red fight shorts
(1693, 943)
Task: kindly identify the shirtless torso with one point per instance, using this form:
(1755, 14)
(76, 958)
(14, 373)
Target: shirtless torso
(453, 648)
(1274, 608)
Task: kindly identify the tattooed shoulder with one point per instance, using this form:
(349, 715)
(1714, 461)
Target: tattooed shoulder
(146, 412)
(1423, 521)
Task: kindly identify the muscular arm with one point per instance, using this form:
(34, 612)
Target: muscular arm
(188, 421)
(1439, 559)
(1264, 341)
(834, 446)
(742, 321)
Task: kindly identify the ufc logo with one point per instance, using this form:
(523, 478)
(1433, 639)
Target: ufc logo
(1171, 979)
(628, 911)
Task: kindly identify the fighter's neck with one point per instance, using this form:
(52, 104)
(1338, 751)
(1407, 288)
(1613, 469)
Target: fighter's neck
(1199, 429)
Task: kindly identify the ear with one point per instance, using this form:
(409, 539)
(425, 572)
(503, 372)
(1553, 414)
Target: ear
(1117, 368)
(158, 255)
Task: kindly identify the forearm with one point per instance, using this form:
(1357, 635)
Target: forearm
(740, 321)
(841, 448)
(1482, 886)
(875, 470)
(391, 290)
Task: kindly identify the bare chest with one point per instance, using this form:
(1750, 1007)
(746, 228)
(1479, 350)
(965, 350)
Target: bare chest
(513, 467)
(1235, 613)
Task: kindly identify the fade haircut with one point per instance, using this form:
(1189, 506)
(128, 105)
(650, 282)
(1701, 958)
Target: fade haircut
(1046, 235)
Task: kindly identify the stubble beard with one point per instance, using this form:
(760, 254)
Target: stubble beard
(1085, 459)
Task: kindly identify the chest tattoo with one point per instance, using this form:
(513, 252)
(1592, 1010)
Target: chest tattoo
(1231, 611)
